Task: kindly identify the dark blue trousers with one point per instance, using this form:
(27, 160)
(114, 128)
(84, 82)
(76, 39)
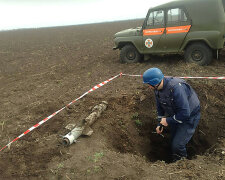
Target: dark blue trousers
(181, 135)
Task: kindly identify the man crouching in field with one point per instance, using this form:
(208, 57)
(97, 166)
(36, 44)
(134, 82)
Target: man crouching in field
(177, 105)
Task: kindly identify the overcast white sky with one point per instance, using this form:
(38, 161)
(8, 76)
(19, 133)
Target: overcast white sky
(16, 14)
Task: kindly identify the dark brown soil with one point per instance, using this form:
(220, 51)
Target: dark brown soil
(42, 70)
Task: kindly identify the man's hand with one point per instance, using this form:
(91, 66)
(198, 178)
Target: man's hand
(163, 122)
(158, 129)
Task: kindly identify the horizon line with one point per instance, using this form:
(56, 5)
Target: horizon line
(67, 25)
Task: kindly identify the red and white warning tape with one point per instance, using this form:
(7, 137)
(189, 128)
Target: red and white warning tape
(188, 77)
(52, 115)
(130, 75)
(202, 77)
(92, 89)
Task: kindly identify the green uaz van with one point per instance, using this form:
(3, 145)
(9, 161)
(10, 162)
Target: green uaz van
(194, 28)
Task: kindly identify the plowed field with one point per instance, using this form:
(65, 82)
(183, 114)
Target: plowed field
(42, 70)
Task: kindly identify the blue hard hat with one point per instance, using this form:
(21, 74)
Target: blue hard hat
(153, 76)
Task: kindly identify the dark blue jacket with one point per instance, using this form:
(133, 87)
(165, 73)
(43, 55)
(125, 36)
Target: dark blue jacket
(177, 101)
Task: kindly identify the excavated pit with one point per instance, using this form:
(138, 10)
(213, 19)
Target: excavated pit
(135, 133)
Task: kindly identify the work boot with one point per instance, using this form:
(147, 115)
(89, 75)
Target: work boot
(176, 157)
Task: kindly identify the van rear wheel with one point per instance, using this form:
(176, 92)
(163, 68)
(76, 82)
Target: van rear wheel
(198, 53)
(129, 54)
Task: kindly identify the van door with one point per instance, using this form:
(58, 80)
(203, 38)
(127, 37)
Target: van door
(178, 25)
(153, 29)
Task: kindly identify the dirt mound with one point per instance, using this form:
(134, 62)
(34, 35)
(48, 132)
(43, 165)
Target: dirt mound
(42, 70)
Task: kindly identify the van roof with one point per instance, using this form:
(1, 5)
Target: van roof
(201, 12)
(185, 2)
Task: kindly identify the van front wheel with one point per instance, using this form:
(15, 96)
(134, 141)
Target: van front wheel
(198, 53)
(129, 54)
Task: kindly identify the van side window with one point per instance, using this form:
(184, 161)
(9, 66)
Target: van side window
(176, 15)
(223, 1)
(156, 18)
